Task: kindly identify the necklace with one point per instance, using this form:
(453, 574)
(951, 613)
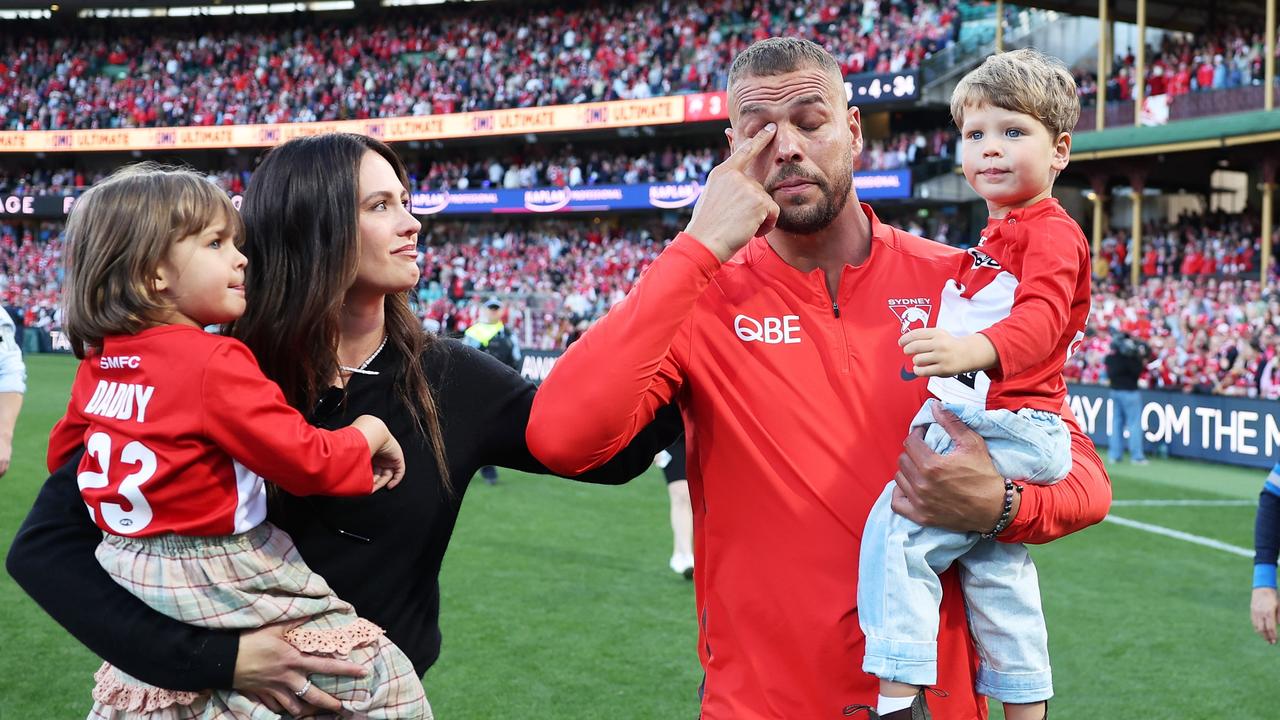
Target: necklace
(361, 370)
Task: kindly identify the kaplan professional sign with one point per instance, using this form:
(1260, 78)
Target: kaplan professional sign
(1239, 431)
(887, 185)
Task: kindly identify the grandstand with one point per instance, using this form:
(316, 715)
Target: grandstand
(554, 148)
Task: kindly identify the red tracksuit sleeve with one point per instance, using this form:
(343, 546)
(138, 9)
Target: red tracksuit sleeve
(247, 416)
(67, 435)
(1079, 500)
(1047, 281)
(608, 384)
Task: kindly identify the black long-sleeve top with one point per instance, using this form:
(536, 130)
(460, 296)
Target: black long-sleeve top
(382, 553)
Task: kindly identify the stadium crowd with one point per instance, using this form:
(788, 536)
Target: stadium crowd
(1208, 332)
(1184, 63)
(1211, 336)
(454, 59)
(1195, 246)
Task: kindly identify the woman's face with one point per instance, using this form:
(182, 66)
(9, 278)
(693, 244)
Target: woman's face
(388, 232)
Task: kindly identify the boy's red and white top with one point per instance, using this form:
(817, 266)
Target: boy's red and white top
(1026, 287)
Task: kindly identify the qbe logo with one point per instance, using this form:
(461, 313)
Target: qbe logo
(783, 330)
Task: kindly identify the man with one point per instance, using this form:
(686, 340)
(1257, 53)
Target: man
(782, 352)
(13, 383)
(491, 336)
(1124, 366)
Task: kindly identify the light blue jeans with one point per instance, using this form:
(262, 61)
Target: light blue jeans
(898, 586)
(1126, 414)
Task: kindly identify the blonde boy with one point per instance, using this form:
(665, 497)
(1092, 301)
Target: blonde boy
(1013, 311)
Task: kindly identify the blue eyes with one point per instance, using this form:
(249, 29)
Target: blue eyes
(1010, 133)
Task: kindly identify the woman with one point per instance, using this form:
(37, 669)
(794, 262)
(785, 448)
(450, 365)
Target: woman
(332, 252)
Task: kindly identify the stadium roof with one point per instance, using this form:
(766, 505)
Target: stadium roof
(1181, 155)
(1188, 16)
(1207, 133)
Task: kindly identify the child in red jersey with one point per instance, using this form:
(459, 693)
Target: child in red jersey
(180, 428)
(1009, 318)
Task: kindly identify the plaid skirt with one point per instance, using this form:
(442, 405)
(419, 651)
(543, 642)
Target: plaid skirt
(243, 582)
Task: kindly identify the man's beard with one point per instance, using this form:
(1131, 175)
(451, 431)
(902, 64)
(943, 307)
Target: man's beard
(809, 219)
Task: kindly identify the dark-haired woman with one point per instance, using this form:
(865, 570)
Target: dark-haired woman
(332, 255)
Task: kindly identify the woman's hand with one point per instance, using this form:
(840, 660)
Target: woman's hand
(272, 671)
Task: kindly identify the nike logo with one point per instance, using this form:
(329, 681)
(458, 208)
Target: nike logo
(906, 374)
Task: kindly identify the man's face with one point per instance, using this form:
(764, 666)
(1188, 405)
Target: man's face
(808, 168)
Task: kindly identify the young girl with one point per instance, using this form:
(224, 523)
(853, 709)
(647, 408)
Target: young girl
(180, 427)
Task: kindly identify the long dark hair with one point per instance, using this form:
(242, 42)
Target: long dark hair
(302, 239)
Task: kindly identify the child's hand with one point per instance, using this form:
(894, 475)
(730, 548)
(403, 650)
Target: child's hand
(388, 458)
(936, 352)
(388, 464)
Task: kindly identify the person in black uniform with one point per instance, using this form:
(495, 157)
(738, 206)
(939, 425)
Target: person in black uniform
(329, 321)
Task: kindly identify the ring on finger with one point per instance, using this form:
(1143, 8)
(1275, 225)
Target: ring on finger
(304, 689)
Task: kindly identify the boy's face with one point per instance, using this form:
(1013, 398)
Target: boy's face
(1009, 158)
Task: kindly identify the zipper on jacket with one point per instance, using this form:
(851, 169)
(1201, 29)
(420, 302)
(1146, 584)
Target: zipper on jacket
(835, 308)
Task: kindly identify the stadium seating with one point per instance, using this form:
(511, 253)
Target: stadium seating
(1209, 333)
(236, 71)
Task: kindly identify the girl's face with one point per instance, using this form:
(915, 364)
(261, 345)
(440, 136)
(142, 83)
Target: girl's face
(388, 232)
(202, 277)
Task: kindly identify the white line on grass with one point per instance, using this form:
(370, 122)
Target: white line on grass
(1184, 503)
(1179, 535)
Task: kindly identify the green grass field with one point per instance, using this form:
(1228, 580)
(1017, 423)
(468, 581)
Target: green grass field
(558, 602)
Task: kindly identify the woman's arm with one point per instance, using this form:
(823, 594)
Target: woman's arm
(52, 558)
(503, 399)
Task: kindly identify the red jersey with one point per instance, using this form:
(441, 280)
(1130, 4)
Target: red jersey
(1026, 287)
(795, 409)
(182, 426)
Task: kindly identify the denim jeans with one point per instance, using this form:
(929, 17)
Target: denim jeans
(898, 586)
(1126, 414)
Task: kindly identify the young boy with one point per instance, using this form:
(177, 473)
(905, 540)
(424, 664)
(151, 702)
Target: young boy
(1012, 313)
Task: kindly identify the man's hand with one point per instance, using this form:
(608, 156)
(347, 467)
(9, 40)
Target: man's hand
(734, 206)
(936, 352)
(271, 670)
(960, 491)
(1263, 610)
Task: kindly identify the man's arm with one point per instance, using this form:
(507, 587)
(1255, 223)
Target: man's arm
(10, 405)
(612, 381)
(962, 491)
(13, 383)
(1264, 608)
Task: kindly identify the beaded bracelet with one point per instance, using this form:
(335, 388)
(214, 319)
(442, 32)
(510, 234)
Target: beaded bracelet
(1010, 487)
